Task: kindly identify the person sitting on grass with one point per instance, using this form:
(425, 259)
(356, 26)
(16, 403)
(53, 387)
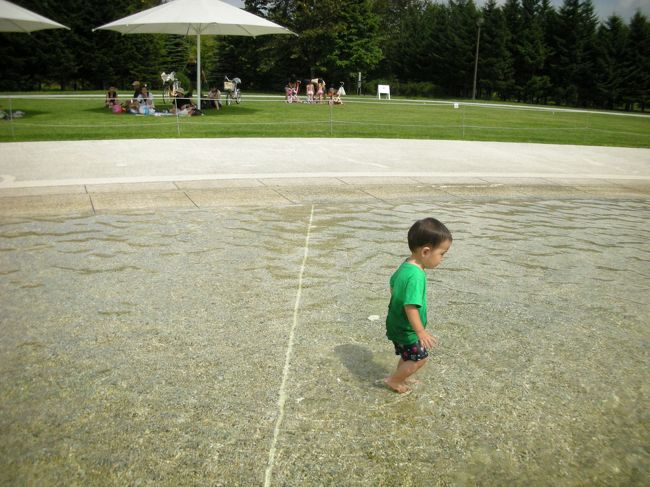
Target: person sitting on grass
(131, 106)
(182, 105)
(137, 89)
(145, 101)
(214, 98)
(111, 98)
(291, 91)
(333, 97)
(429, 240)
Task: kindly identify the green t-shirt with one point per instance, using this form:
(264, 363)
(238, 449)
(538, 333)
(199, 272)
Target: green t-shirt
(408, 285)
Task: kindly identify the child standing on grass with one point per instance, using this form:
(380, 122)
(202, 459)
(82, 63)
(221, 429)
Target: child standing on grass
(310, 92)
(429, 240)
(320, 91)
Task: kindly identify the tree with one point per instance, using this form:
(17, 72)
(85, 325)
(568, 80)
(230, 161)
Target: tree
(495, 68)
(356, 41)
(611, 48)
(529, 51)
(401, 26)
(176, 52)
(33, 60)
(527, 48)
(574, 52)
(636, 63)
(457, 46)
(411, 43)
(512, 15)
(333, 43)
(548, 20)
(532, 52)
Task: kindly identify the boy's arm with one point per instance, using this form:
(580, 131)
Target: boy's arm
(413, 315)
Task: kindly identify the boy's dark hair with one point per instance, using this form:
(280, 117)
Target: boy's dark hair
(428, 231)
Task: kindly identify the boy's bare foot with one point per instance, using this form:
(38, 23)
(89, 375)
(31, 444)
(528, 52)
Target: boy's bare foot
(399, 388)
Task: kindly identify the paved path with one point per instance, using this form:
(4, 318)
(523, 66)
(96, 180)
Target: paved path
(92, 176)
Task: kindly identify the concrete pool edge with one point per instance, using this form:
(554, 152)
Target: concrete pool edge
(88, 199)
(60, 178)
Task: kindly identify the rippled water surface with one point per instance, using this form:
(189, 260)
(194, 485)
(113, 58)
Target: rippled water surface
(150, 348)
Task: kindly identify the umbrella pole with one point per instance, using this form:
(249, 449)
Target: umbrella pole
(198, 67)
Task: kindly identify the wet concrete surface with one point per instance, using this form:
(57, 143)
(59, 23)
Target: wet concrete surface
(91, 199)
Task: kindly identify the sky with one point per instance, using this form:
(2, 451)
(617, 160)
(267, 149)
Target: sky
(603, 8)
(624, 8)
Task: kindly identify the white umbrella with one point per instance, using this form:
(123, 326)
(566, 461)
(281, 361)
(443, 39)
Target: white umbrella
(17, 19)
(196, 17)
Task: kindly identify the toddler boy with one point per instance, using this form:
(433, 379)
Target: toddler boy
(429, 240)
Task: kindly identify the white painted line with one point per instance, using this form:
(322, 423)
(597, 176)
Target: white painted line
(282, 396)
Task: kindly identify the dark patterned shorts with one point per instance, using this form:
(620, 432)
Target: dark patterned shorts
(414, 352)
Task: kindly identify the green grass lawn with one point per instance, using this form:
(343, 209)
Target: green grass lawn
(83, 118)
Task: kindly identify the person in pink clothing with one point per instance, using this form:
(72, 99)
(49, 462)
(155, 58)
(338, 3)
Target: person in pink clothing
(320, 91)
(309, 90)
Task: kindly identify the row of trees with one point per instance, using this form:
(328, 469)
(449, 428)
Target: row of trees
(529, 50)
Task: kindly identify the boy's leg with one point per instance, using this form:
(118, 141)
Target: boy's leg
(405, 369)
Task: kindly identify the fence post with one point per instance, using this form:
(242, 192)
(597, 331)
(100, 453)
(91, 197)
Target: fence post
(11, 119)
(462, 110)
(331, 108)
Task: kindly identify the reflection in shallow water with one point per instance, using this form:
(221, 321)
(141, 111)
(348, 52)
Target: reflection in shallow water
(122, 325)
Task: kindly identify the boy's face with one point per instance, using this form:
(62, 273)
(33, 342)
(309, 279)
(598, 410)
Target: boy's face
(432, 257)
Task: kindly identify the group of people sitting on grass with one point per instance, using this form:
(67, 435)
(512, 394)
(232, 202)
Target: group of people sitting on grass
(142, 102)
(314, 92)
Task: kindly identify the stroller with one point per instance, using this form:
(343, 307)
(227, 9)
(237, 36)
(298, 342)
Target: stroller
(170, 86)
(232, 90)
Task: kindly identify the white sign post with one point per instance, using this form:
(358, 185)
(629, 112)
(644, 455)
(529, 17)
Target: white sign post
(383, 90)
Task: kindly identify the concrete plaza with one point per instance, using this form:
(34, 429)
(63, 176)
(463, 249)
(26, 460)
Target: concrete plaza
(85, 177)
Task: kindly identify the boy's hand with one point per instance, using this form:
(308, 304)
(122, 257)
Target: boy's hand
(427, 340)
(413, 315)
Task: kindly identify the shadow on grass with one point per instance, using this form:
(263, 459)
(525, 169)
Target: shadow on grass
(229, 111)
(28, 113)
(232, 110)
(360, 362)
(98, 109)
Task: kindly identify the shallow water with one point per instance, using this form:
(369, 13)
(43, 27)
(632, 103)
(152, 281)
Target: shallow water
(169, 331)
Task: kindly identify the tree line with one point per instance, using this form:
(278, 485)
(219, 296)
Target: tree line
(529, 51)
